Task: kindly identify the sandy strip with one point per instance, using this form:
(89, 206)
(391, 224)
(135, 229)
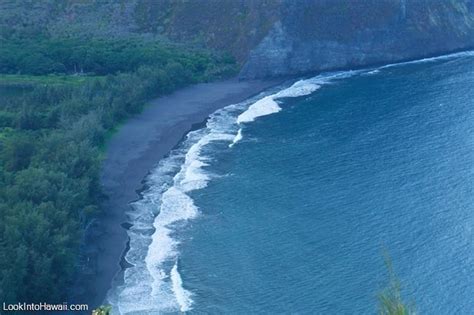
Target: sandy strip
(131, 154)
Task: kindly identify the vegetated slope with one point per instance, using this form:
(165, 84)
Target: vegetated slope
(228, 25)
(52, 127)
(271, 37)
(49, 137)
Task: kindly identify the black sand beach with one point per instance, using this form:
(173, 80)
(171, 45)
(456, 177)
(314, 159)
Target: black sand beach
(131, 153)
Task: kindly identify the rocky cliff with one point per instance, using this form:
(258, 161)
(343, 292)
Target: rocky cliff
(267, 37)
(321, 35)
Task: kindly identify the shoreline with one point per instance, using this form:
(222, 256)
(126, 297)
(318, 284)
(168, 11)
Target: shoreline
(130, 155)
(132, 152)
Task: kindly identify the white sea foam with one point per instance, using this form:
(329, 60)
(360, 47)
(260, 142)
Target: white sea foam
(182, 296)
(153, 284)
(176, 206)
(469, 53)
(263, 107)
(375, 71)
(268, 105)
(300, 88)
(237, 138)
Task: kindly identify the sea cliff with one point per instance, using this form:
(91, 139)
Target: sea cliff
(268, 38)
(322, 35)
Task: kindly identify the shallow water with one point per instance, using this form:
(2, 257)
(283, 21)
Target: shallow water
(288, 202)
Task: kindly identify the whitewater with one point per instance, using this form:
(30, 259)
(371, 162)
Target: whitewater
(152, 283)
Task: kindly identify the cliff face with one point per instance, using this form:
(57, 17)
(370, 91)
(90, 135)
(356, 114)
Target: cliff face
(331, 34)
(236, 26)
(267, 37)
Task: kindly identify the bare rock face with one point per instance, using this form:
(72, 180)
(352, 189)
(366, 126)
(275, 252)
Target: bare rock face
(322, 35)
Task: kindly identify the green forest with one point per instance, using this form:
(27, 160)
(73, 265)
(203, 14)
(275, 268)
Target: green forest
(60, 99)
(40, 56)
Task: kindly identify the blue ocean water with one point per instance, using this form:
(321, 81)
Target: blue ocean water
(287, 203)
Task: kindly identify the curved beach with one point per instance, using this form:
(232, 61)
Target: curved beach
(130, 154)
(326, 171)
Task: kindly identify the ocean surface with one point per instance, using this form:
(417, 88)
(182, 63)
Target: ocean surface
(289, 202)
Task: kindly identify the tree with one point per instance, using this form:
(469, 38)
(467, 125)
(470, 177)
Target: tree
(17, 151)
(390, 300)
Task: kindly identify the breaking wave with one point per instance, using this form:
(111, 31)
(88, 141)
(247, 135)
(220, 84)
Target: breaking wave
(152, 284)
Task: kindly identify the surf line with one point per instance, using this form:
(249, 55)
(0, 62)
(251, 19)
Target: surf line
(269, 105)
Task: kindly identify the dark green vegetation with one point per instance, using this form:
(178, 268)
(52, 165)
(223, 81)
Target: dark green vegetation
(11, 81)
(95, 56)
(102, 310)
(239, 26)
(227, 25)
(390, 300)
(51, 130)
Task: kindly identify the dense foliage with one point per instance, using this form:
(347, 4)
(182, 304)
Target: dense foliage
(98, 56)
(50, 139)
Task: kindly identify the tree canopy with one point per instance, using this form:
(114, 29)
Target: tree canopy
(50, 140)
